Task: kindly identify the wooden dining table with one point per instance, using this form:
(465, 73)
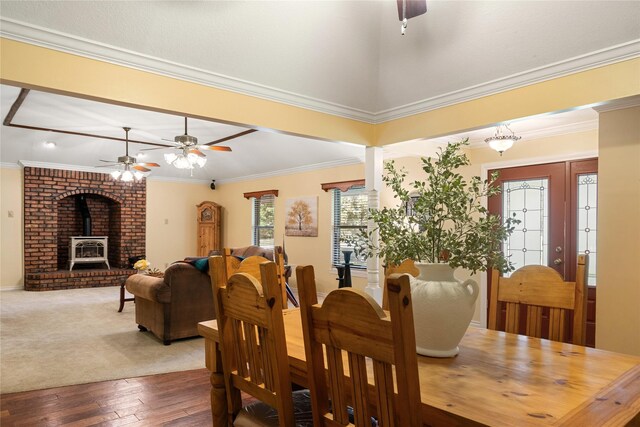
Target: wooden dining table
(497, 379)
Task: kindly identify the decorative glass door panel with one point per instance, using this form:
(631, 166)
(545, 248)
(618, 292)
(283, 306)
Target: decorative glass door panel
(528, 201)
(587, 216)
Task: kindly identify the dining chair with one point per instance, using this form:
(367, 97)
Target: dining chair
(250, 265)
(353, 328)
(406, 266)
(253, 345)
(537, 288)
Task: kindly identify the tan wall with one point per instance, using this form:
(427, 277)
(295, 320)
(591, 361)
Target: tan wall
(618, 300)
(171, 219)
(11, 231)
(315, 251)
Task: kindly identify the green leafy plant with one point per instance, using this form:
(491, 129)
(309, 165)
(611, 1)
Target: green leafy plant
(439, 219)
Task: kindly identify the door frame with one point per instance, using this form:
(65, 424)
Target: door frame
(484, 174)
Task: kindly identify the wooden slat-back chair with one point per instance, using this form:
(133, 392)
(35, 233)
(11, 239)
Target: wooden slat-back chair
(406, 266)
(351, 322)
(252, 337)
(538, 287)
(251, 266)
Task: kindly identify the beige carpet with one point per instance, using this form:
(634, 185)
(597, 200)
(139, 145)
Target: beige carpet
(56, 338)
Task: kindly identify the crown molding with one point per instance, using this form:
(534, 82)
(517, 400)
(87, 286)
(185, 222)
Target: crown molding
(78, 168)
(618, 104)
(9, 165)
(179, 180)
(44, 37)
(599, 58)
(478, 142)
(61, 166)
(51, 39)
(299, 169)
(547, 132)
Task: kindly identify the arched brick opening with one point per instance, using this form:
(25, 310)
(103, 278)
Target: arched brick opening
(118, 211)
(105, 215)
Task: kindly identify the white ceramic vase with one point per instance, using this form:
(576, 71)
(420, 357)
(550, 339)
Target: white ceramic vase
(442, 309)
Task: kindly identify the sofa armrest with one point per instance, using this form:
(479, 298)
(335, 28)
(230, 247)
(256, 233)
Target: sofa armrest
(148, 287)
(182, 271)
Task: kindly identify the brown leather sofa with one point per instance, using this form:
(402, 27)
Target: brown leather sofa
(171, 307)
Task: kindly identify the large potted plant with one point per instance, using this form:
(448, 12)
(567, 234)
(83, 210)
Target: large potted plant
(440, 223)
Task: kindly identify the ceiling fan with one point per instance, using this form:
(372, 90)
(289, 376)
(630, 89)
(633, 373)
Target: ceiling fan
(408, 9)
(190, 152)
(128, 163)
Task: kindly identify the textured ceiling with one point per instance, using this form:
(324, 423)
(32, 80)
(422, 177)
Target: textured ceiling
(349, 53)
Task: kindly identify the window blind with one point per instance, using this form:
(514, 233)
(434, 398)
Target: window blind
(263, 220)
(350, 210)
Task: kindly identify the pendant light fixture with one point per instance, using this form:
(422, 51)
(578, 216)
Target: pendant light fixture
(503, 138)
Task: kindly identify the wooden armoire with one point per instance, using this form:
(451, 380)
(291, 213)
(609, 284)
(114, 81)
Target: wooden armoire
(209, 228)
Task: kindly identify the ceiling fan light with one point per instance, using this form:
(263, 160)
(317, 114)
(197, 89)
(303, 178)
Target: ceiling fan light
(127, 176)
(182, 163)
(192, 158)
(138, 175)
(201, 161)
(170, 158)
(116, 174)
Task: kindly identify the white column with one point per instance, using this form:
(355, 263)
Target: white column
(373, 184)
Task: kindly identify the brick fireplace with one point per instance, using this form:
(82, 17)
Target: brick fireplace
(51, 218)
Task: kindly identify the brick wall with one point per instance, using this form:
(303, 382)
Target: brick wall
(118, 210)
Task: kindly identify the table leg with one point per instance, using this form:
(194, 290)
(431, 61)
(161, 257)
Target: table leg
(213, 358)
(121, 297)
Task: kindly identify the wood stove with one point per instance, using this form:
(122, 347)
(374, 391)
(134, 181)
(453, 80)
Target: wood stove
(88, 249)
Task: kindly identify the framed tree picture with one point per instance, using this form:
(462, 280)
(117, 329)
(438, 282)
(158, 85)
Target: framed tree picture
(302, 217)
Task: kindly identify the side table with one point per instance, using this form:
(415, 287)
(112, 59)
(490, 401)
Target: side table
(122, 298)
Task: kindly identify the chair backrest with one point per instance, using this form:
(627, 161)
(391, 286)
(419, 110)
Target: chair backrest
(252, 337)
(406, 266)
(538, 287)
(352, 327)
(250, 265)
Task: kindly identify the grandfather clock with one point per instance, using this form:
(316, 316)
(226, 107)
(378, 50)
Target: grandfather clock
(209, 228)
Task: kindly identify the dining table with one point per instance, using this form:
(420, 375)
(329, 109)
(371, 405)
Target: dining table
(497, 379)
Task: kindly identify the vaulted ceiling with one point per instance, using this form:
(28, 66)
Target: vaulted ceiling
(343, 57)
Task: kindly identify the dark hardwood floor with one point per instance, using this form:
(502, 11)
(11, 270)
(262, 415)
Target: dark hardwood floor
(174, 399)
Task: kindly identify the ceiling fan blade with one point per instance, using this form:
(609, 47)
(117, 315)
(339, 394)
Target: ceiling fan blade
(109, 161)
(140, 168)
(148, 164)
(214, 147)
(227, 138)
(196, 152)
(413, 8)
(107, 166)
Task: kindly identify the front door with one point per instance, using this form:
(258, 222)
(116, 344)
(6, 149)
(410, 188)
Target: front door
(557, 206)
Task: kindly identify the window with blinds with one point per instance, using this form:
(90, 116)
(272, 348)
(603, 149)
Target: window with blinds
(349, 217)
(263, 220)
